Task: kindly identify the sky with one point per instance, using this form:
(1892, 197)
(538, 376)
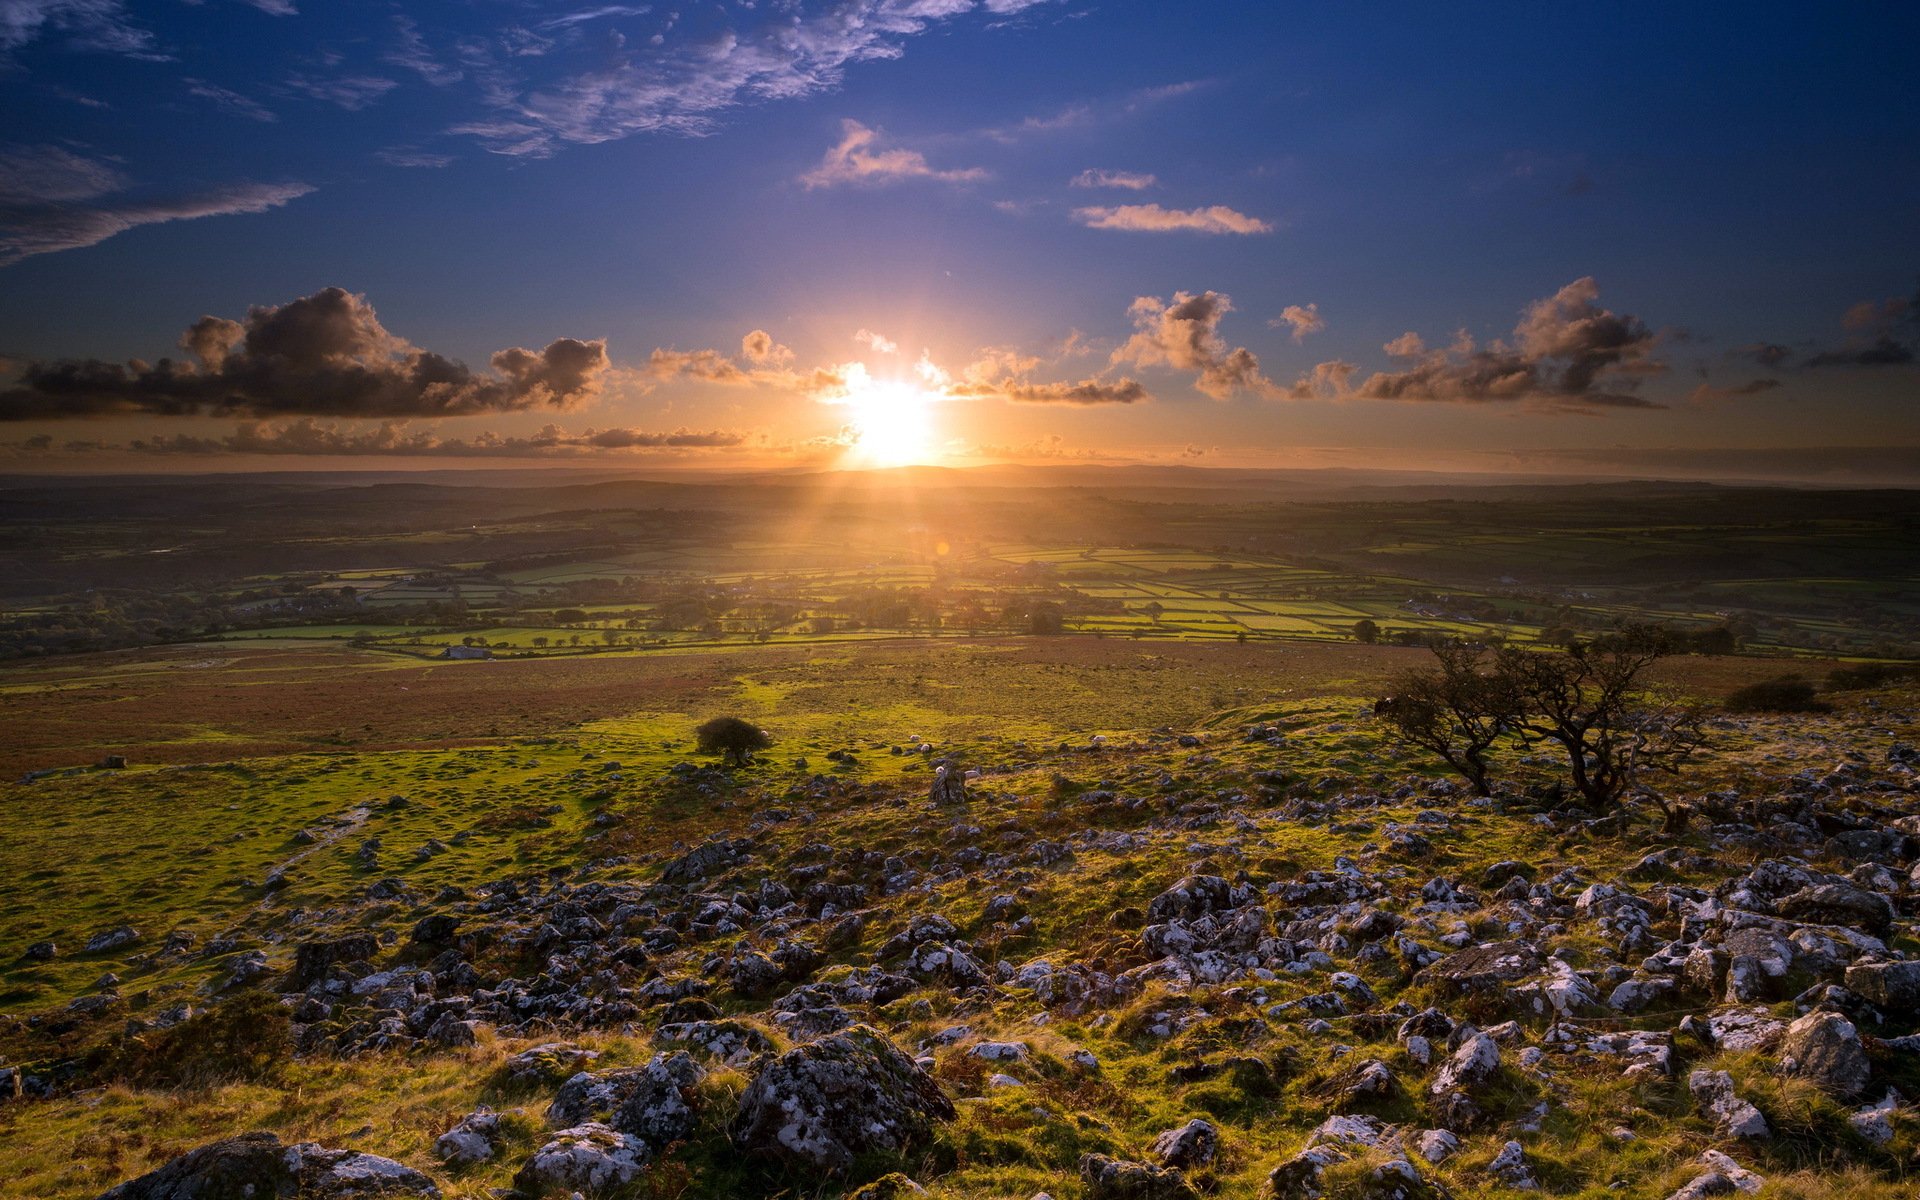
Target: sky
(1671, 239)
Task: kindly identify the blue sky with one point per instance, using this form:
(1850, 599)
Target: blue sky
(1623, 207)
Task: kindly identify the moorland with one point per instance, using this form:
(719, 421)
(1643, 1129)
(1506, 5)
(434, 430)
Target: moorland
(1082, 860)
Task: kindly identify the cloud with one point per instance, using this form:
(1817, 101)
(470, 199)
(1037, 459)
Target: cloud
(351, 92)
(277, 8)
(407, 156)
(307, 437)
(855, 159)
(1185, 335)
(1767, 354)
(1567, 350)
(629, 82)
(1079, 392)
(760, 348)
(879, 343)
(1151, 218)
(52, 199)
(325, 355)
(1302, 319)
(230, 101)
(1093, 177)
(99, 26)
(412, 53)
(1708, 393)
(1881, 333)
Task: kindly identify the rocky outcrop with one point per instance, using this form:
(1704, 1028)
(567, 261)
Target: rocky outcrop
(257, 1166)
(824, 1102)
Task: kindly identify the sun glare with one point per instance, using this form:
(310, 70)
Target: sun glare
(893, 422)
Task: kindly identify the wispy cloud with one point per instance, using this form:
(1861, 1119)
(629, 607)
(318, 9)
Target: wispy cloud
(858, 158)
(229, 101)
(396, 439)
(407, 156)
(351, 92)
(97, 26)
(1130, 181)
(1151, 218)
(878, 343)
(52, 199)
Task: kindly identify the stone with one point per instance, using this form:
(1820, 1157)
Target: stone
(1841, 904)
(824, 1102)
(1105, 1178)
(1732, 1117)
(117, 938)
(663, 1107)
(1825, 1048)
(587, 1158)
(260, 1165)
(1892, 986)
(1191, 1145)
(1510, 1168)
(475, 1139)
(1437, 1145)
(1475, 1062)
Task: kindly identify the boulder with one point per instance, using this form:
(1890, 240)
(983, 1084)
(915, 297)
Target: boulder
(477, 1138)
(824, 1102)
(663, 1107)
(1191, 1145)
(258, 1166)
(1825, 1048)
(1451, 1092)
(1841, 904)
(1509, 1168)
(588, 1158)
(1732, 1117)
(1893, 986)
(1107, 1178)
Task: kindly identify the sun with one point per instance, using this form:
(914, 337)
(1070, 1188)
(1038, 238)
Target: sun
(892, 422)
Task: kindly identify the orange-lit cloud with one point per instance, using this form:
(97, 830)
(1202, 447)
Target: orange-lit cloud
(1151, 218)
(858, 159)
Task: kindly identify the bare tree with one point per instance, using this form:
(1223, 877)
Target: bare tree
(1457, 711)
(1593, 701)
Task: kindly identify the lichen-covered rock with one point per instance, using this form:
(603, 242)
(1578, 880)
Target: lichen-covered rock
(1825, 1048)
(1510, 1169)
(663, 1107)
(1732, 1117)
(1484, 969)
(1191, 1145)
(1197, 896)
(824, 1102)
(1893, 986)
(549, 1062)
(257, 1166)
(1334, 1141)
(475, 1139)
(1452, 1090)
(1107, 1178)
(588, 1158)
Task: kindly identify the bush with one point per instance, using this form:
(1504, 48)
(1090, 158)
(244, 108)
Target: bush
(1784, 694)
(1869, 675)
(248, 1038)
(733, 737)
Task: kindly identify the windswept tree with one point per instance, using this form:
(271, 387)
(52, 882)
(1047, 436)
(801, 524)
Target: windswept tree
(1595, 703)
(1457, 711)
(732, 737)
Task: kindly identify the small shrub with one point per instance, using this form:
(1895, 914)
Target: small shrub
(1783, 694)
(733, 737)
(249, 1038)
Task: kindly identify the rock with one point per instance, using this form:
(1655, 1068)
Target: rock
(312, 960)
(1743, 1029)
(1510, 1168)
(1713, 1183)
(117, 938)
(547, 1063)
(1732, 1116)
(1472, 1065)
(1107, 1178)
(475, 1139)
(1437, 1145)
(999, 1051)
(1841, 904)
(1486, 968)
(891, 1186)
(1893, 986)
(1192, 1145)
(1197, 896)
(586, 1158)
(824, 1102)
(41, 952)
(1873, 1123)
(664, 1106)
(1825, 1048)
(1334, 1141)
(1741, 1178)
(1363, 1083)
(949, 786)
(259, 1165)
